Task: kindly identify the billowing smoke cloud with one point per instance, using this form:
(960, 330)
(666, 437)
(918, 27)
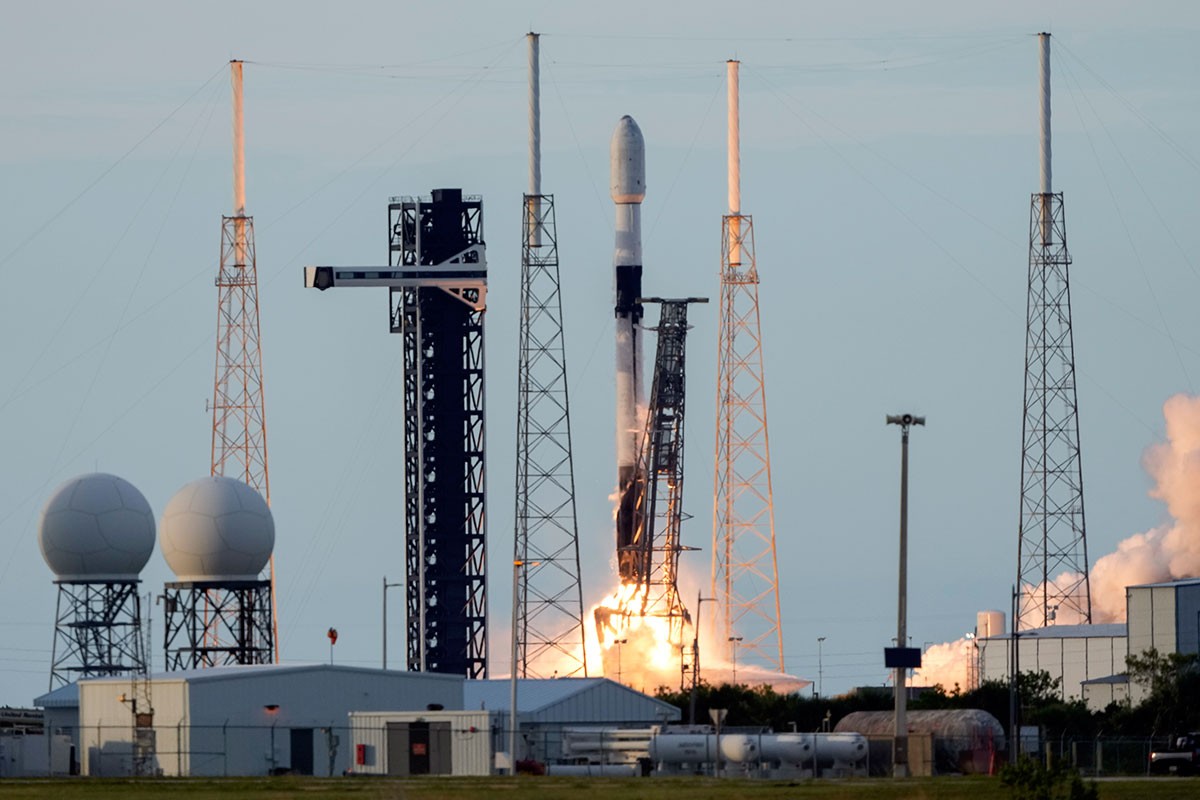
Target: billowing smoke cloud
(1168, 552)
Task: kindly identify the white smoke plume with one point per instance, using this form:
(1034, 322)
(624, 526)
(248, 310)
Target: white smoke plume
(1168, 552)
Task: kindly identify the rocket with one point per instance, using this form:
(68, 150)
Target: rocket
(627, 153)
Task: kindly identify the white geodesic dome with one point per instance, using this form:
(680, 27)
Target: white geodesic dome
(96, 528)
(217, 529)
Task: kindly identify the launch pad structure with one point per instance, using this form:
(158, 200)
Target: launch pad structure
(437, 283)
(651, 557)
(1052, 536)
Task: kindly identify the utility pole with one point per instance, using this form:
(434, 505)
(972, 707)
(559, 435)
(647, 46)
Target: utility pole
(903, 656)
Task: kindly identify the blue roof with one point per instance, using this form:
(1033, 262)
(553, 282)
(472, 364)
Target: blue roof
(536, 695)
(62, 697)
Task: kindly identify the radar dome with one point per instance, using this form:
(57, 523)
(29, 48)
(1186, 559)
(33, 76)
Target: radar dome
(217, 529)
(96, 528)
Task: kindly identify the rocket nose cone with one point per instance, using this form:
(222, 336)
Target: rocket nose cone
(627, 153)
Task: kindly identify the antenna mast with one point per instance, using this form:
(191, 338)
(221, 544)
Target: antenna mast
(239, 433)
(1051, 537)
(745, 575)
(548, 620)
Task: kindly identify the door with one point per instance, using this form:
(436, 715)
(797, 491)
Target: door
(302, 751)
(397, 748)
(418, 748)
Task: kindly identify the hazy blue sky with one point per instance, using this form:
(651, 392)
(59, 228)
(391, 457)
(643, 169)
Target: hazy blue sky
(889, 151)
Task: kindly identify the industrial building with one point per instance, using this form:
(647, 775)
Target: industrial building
(1090, 659)
(245, 720)
(325, 720)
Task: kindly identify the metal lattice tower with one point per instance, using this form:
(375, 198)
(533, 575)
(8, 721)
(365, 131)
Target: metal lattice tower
(239, 431)
(1052, 541)
(550, 633)
(745, 575)
(97, 631)
(657, 540)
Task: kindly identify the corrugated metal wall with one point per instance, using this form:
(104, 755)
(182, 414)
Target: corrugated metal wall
(470, 734)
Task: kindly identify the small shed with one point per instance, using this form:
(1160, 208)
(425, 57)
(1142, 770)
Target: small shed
(965, 740)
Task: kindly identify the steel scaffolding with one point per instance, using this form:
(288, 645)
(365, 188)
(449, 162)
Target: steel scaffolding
(550, 633)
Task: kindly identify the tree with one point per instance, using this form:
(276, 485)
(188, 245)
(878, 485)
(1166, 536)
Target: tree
(1173, 685)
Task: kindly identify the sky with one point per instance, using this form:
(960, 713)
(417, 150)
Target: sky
(888, 156)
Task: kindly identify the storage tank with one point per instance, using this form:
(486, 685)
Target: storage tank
(989, 623)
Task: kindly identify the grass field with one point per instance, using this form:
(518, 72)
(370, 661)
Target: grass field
(573, 788)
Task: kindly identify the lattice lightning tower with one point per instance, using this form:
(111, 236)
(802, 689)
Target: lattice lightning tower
(239, 435)
(1052, 561)
(745, 575)
(550, 633)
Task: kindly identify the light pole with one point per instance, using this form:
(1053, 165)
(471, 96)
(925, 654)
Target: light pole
(900, 750)
(733, 640)
(513, 724)
(700, 601)
(820, 690)
(618, 643)
(386, 586)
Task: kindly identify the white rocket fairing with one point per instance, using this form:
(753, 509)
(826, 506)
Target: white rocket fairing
(628, 185)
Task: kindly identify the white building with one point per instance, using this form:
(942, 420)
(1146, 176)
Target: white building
(1090, 659)
(247, 720)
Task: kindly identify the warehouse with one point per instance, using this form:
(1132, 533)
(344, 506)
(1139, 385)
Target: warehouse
(244, 720)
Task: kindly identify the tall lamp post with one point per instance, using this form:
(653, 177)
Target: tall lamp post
(700, 601)
(513, 723)
(733, 640)
(819, 689)
(903, 656)
(386, 586)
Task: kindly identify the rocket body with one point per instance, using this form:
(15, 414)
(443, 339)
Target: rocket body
(628, 187)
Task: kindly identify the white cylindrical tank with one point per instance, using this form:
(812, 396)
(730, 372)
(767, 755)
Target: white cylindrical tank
(96, 528)
(217, 529)
(684, 748)
(989, 623)
(848, 748)
(788, 748)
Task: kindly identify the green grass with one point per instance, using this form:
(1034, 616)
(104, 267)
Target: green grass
(529, 788)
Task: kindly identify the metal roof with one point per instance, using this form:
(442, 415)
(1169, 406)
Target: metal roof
(242, 670)
(1107, 630)
(1113, 679)
(62, 697)
(567, 699)
(1165, 584)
